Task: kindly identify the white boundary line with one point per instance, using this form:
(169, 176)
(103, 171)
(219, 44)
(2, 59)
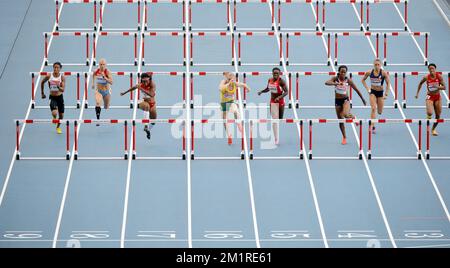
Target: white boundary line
(308, 168)
(188, 125)
(246, 154)
(433, 182)
(8, 175)
(72, 155)
(442, 12)
(130, 152)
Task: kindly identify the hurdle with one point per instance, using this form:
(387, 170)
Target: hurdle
(300, 34)
(254, 122)
(204, 34)
(33, 76)
(361, 11)
(201, 122)
(77, 34)
(191, 2)
(77, 123)
(98, 4)
(124, 34)
(131, 75)
(404, 76)
(147, 17)
(427, 153)
(359, 122)
(167, 121)
(385, 36)
(42, 121)
(240, 34)
(172, 34)
(384, 121)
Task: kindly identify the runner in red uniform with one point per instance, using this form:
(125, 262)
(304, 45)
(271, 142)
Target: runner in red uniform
(278, 90)
(148, 104)
(435, 83)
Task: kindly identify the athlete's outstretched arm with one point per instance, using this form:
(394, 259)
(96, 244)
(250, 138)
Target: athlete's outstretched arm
(424, 79)
(62, 85)
(441, 83)
(363, 81)
(45, 79)
(332, 82)
(350, 82)
(129, 90)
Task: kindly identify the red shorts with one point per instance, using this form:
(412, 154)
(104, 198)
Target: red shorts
(280, 102)
(150, 103)
(434, 97)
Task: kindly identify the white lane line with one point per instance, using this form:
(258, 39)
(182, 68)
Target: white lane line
(430, 246)
(308, 168)
(130, 151)
(69, 172)
(442, 12)
(13, 159)
(188, 128)
(246, 154)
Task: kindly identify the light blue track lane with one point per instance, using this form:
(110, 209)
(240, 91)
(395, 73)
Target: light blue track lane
(231, 203)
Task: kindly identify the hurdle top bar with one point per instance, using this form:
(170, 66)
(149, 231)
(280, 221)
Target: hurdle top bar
(360, 73)
(119, 73)
(219, 120)
(243, 33)
(113, 73)
(236, 1)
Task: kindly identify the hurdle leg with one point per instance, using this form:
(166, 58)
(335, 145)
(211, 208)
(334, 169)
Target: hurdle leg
(251, 139)
(404, 91)
(17, 140)
(32, 91)
(369, 139)
(125, 129)
(301, 140)
(323, 15)
(192, 140)
(184, 141)
(133, 134)
(367, 16)
(310, 140)
(360, 154)
(85, 91)
(419, 151)
(75, 136)
(67, 140)
(428, 140)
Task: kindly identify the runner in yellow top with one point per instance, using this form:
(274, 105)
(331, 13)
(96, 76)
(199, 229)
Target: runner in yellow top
(227, 88)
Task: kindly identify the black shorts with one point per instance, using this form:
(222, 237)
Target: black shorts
(57, 102)
(340, 102)
(377, 93)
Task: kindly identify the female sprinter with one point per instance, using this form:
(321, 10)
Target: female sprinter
(56, 83)
(278, 90)
(435, 83)
(148, 104)
(341, 86)
(377, 78)
(227, 88)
